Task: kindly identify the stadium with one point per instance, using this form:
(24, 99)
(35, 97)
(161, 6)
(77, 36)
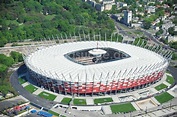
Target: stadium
(95, 67)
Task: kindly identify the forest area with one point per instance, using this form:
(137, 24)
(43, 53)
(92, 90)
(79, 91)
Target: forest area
(35, 19)
(5, 63)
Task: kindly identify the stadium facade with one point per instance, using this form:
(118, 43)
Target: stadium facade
(72, 68)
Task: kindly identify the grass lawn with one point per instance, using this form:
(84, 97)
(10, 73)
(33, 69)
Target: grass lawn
(22, 111)
(47, 96)
(128, 107)
(62, 116)
(170, 79)
(30, 88)
(164, 97)
(79, 102)
(53, 113)
(21, 80)
(102, 100)
(66, 100)
(160, 87)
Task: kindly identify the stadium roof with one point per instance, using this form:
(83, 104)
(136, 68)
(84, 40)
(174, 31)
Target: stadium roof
(52, 63)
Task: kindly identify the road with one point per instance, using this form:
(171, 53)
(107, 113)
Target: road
(173, 71)
(123, 31)
(31, 97)
(147, 34)
(10, 102)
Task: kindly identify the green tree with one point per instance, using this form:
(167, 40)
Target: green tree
(147, 24)
(173, 44)
(174, 57)
(16, 56)
(3, 41)
(3, 70)
(8, 61)
(172, 31)
(159, 32)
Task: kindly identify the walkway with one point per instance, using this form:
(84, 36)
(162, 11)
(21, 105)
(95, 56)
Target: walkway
(116, 98)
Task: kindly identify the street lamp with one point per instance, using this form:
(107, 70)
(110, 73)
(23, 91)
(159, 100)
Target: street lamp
(170, 104)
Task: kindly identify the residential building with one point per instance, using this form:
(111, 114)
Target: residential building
(172, 38)
(108, 2)
(107, 6)
(127, 17)
(122, 4)
(150, 9)
(99, 7)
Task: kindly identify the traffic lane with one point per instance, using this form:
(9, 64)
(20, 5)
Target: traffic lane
(31, 97)
(173, 71)
(156, 41)
(9, 103)
(122, 31)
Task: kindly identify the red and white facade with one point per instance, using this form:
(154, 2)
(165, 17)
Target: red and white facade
(49, 68)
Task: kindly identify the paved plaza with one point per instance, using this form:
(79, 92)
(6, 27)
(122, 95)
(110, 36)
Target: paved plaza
(146, 107)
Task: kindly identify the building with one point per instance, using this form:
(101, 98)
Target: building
(117, 17)
(108, 2)
(102, 4)
(95, 67)
(99, 7)
(127, 19)
(175, 28)
(156, 28)
(107, 6)
(121, 4)
(150, 9)
(136, 25)
(91, 2)
(172, 38)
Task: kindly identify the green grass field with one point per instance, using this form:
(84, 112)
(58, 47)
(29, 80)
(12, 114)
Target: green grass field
(31, 88)
(47, 96)
(79, 102)
(102, 100)
(66, 100)
(21, 80)
(128, 107)
(53, 113)
(164, 97)
(160, 87)
(62, 116)
(170, 79)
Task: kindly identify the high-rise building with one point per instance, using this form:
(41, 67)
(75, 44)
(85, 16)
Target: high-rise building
(127, 17)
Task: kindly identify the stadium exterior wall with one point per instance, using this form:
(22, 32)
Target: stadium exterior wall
(109, 86)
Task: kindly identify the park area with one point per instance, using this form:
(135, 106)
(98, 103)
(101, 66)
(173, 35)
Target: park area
(79, 102)
(102, 100)
(66, 101)
(170, 79)
(53, 113)
(47, 96)
(160, 87)
(22, 80)
(164, 97)
(122, 108)
(30, 88)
